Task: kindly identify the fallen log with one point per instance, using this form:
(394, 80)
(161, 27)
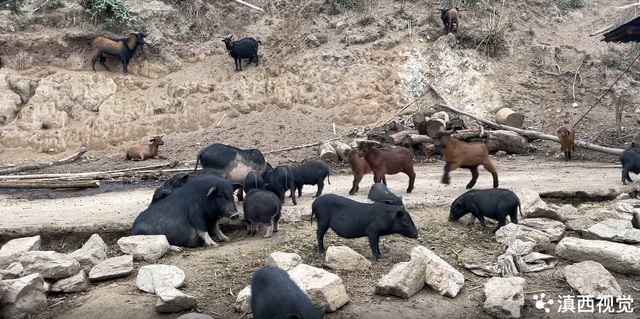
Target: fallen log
(507, 141)
(396, 138)
(342, 150)
(90, 175)
(415, 139)
(50, 184)
(509, 117)
(528, 134)
(328, 153)
(393, 126)
(65, 160)
(420, 122)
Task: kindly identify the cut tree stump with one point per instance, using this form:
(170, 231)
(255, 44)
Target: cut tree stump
(420, 122)
(50, 184)
(509, 117)
(394, 126)
(328, 153)
(396, 138)
(438, 122)
(545, 58)
(342, 150)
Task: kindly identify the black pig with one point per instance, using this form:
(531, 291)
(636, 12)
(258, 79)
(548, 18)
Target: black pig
(351, 219)
(188, 215)
(630, 160)
(281, 180)
(275, 296)
(252, 181)
(311, 173)
(379, 193)
(495, 203)
(261, 207)
(178, 180)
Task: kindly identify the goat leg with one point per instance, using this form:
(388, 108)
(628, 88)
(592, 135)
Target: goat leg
(102, 61)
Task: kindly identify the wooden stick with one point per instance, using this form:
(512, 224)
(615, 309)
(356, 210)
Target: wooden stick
(528, 134)
(51, 184)
(65, 160)
(76, 175)
(222, 118)
(302, 146)
(574, 78)
(248, 5)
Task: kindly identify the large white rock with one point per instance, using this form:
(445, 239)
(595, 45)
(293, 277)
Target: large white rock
(49, 264)
(115, 267)
(591, 278)
(323, 288)
(439, 275)
(533, 206)
(553, 228)
(243, 301)
(144, 247)
(174, 300)
(14, 270)
(404, 280)
(152, 278)
(284, 261)
(91, 253)
(618, 257)
(504, 297)
(23, 298)
(345, 258)
(507, 234)
(15, 247)
(618, 230)
(75, 283)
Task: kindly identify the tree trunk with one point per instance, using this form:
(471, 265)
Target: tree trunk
(415, 139)
(509, 117)
(435, 125)
(396, 138)
(507, 141)
(65, 160)
(50, 184)
(342, 150)
(420, 122)
(327, 153)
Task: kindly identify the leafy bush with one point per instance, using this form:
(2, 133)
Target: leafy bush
(113, 12)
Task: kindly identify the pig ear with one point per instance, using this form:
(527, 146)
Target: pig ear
(212, 190)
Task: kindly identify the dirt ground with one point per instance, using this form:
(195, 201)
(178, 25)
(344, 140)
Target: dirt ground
(216, 275)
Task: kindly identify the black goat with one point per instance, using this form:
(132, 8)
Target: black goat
(246, 48)
(121, 49)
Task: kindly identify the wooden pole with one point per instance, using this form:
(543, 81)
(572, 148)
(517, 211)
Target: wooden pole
(50, 184)
(86, 174)
(65, 160)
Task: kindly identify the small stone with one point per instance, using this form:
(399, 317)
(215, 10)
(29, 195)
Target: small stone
(173, 300)
(23, 298)
(111, 268)
(49, 264)
(144, 247)
(14, 271)
(404, 280)
(507, 234)
(345, 258)
(284, 261)
(440, 276)
(91, 253)
(312, 41)
(75, 283)
(579, 223)
(533, 206)
(15, 247)
(623, 196)
(243, 301)
(504, 297)
(591, 278)
(323, 288)
(152, 278)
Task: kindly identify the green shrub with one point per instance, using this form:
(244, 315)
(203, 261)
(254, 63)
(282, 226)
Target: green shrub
(113, 12)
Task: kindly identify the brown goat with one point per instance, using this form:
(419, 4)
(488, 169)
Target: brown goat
(566, 136)
(359, 167)
(391, 161)
(142, 152)
(458, 154)
(450, 17)
(121, 49)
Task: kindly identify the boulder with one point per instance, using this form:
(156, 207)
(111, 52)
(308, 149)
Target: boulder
(195, 315)
(504, 297)
(618, 230)
(404, 280)
(579, 223)
(115, 267)
(618, 257)
(345, 258)
(243, 301)
(15, 247)
(564, 212)
(91, 253)
(76, 283)
(144, 247)
(533, 206)
(152, 278)
(635, 221)
(553, 228)
(507, 234)
(49, 264)
(591, 278)
(23, 298)
(323, 288)
(628, 206)
(284, 261)
(13, 271)
(174, 300)
(439, 275)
